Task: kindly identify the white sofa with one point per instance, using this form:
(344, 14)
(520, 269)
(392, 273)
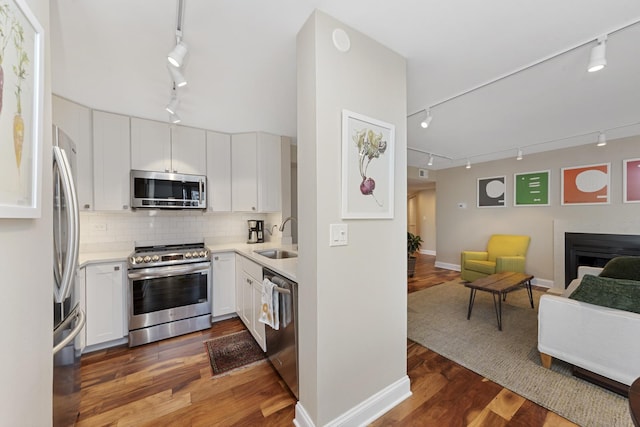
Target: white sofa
(599, 339)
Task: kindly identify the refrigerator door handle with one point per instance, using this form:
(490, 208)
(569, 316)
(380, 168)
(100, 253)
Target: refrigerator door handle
(79, 314)
(63, 292)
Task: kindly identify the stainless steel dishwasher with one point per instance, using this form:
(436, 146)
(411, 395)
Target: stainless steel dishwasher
(282, 344)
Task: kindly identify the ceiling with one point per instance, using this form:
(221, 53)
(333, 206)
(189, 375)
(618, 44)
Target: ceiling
(519, 67)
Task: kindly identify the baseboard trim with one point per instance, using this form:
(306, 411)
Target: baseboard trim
(302, 418)
(427, 252)
(542, 282)
(365, 412)
(446, 265)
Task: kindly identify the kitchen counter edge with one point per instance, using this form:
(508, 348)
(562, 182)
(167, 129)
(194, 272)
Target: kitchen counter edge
(286, 267)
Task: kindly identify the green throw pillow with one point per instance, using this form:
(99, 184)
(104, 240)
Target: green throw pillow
(620, 294)
(622, 267)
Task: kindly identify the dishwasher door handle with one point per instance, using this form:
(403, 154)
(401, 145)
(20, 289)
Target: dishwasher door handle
(282, 290)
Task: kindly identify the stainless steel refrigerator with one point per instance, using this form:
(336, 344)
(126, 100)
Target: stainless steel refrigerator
(68, 316)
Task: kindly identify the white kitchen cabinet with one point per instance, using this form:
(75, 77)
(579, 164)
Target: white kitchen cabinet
(150, 145)
(188, 150)
(75, 120)
(249, 297)
(158, 146)
(218, 172)
(105, 302)
(255, 172)
(111, 161)
(258, 328)
(223, 267)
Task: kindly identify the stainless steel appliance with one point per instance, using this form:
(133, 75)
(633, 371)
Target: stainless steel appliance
(282, 344)
(164, 190)
(68, 317)
(169, 291)
(256, 231)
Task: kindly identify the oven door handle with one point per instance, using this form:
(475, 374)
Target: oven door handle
(168, 272)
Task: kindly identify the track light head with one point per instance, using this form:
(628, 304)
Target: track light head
(602, 140)
(519, 156)
(598, 58)
(172, 106)
(427, 119)
(176, 76)
(468, 164)
(176, 56)
(430, 162)
(174, 118)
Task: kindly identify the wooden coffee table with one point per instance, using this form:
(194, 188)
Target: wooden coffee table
(499, 285)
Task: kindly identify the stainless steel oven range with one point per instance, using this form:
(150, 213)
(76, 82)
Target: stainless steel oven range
(169, 292)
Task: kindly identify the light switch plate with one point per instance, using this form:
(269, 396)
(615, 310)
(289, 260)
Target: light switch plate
(338, 234)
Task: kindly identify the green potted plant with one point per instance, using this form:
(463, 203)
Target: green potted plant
(413, 244)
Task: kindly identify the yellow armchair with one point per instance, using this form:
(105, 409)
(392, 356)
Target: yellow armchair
(504, 253)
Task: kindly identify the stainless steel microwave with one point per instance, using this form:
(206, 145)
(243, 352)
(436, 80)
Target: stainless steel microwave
(163, 190)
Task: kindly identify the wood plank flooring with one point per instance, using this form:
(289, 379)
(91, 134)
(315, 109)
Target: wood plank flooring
(169, 383)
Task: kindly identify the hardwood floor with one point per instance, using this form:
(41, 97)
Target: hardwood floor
(169, 383)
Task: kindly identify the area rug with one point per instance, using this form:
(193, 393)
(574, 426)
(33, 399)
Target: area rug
(437, 319)
(232, 352)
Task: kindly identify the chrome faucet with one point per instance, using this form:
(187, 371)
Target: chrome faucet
(285, 221)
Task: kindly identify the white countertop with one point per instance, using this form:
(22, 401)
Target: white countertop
(287, 267)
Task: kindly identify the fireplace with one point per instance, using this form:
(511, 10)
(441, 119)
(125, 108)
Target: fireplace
(594, 250)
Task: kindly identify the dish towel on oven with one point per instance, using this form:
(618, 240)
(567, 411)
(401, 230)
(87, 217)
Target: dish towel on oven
(270, 307)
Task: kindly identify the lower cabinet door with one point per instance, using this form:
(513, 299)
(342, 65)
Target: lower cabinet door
(105, 302)
(258, 329)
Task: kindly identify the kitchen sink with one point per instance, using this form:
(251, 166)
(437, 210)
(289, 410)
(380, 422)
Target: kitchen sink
(276, 253)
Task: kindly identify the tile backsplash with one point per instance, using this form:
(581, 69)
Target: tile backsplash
(111, 231)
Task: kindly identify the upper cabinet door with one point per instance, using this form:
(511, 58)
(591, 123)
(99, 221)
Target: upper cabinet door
(75, 121)
(244, 172)
(219, 172)
(111, 161)
(150, 145)
(269, 172)
(188, 150)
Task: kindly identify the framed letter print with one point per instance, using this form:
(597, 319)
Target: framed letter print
(586, 185)
(631, 181)
(367, 167)
(21, 102)
(491, 192)
(531, 189)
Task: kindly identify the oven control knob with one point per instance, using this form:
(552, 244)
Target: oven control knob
(187, 255)
(147, 259)
(155, 258)
(132, 260)
(138, 259)
(203, 254)
(195, 254)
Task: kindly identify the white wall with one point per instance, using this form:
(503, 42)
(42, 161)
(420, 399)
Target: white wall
(26, 263)
(460, 229)
(352, 298)
(423, 203)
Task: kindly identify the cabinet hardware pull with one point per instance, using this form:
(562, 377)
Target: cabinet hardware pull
(116, 268)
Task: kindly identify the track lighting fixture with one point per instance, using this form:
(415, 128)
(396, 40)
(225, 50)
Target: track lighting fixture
(602, 140)
(519, 156)
(176, 56)
(468, 164)
(176, 76)
(172, 106)
(174, 118)
(598, 59)
(430, 162)
(427, 119)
